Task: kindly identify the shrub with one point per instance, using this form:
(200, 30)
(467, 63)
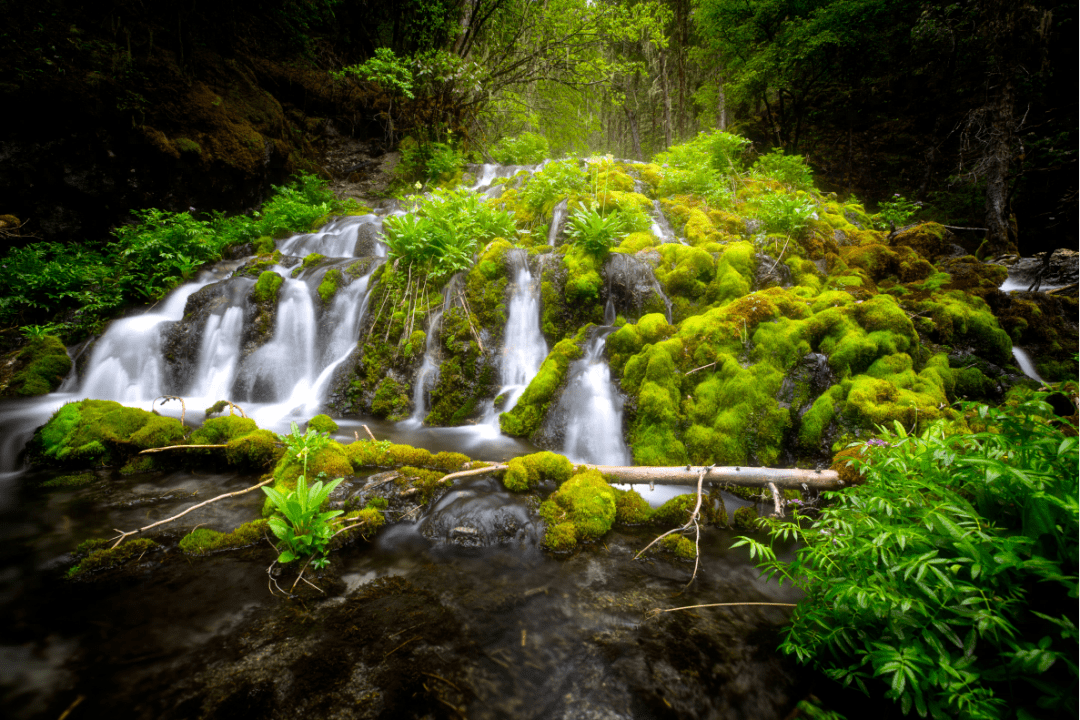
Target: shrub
(788, 169)
(526, 149)
(950, 575)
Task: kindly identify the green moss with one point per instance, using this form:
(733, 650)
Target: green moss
(583, 280)
(962, 319)
(70, 481)
(203, 541)
(267, 287)
(745, 519)
(39, 368)
(256, 450)
(105, 558)
(265, 245)
(391, 400)
(529, 470)
(329, 286)
(332, 459)
(309, 260)
(586, 502)
(364, 524)
(369, 454)
(322, 424)
(631, 508)
(680, 546)
(101, 432)
(636, 242)
(220, 430)
(525, 417)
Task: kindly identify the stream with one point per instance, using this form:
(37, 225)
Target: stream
(455, 613)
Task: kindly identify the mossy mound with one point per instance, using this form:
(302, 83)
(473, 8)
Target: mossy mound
(745, 519)
(680, 546)
(328, 287)
(101, 432)
(257, 450)
(582, 509)
(529, 470)
(220, 430)
(267, 287)
(371, 454)
(524, 418)
(331, 461)
(322, 424)
(38, 368)
(358, 524)
(631, 508)
(203, 541)
(105, 558)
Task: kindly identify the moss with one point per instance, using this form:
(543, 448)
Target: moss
(844, 464)
(364, 524)
(525, 417)
(528, 471)
(322, 424)
(631, 508)
(220, 430)
(101, 432)
(685, 272)
(139, 464)
(331, 281)
(637, 241)
(265, 245)
(332, 459)
(106, 558)
(961, 319)
(586, 502)
(267, 287)
(676, 511)
(880, 262)
(203, 541)
(422, 483)
(391, 400)
(745, 519)
(70, 481)
(583, 280)
(628, 340)
(680, 546)
(368, 454)
(699, 228)
(39, 368)
(310, 260)
(256, 450)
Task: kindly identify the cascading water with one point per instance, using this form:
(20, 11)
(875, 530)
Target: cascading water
(592, 409)
(219, 354)
(661, 228)
(429, 367)
(557, 216)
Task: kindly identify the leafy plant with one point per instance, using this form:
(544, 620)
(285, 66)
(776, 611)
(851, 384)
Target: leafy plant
(526, 149)
(703, 166)
(301, 527)
(896, 212)
(950, 575)
(555, 181)
(784, 213)
(594, 232)
(788, 169)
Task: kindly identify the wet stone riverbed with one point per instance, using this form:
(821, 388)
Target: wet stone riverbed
(457, 613)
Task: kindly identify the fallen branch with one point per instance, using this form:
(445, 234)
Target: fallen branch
(742, 476)
(656, 612)
(477, 471)
(166, 398)
(368, 431)
(778, 503)
(129, 533)
(712, 364)
(179, 447)
(692, 521)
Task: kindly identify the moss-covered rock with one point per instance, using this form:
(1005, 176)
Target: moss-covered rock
(328, 287)
(527, 471)
(524, 418)
(105, 558)
(322, 424)
(203, 541)
(371, 454)
(745, 519)
(267, 288)
(101, 432)
(582, 509)
(631, 508)
(38, 368)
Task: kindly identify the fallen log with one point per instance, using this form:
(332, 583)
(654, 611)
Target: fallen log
(730, 475)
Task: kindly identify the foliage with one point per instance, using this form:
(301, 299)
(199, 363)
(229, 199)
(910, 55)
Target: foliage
(896, 212)
(555, 181)
(950, 575)
(784, 213)
(301, 527)
(428, 161)
(594, 232)
(445, 230)
(386, 69)
(702, 166)
(788, 169)
(146, 259)
(528, 148)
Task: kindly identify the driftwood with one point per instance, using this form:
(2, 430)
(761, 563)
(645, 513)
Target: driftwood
(742, 476)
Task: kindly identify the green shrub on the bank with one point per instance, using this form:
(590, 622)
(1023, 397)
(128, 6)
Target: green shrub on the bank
(950, 574)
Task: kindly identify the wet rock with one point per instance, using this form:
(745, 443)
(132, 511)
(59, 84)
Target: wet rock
(182, 340)
(770, 272)
(630, 284)
(1043, 270)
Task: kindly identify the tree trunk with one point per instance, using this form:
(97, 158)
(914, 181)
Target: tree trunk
(721, 104)
(667, 99)
(743, 476)
(631, 119)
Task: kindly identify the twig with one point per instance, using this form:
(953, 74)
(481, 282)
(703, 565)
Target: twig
(178, 447)
(368, 431)
(655, 612)
(437, 677)
(477, 471)
(315, 586)
(166, 398)
(128, 533)
(79, 699)
(778, 503)
(693, 521)
(468, 317)
(310, 558)
(701, 368)
(414, 637)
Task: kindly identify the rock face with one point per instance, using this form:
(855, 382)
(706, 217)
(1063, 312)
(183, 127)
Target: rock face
(632, 287)
(182, 341)
(1043, 271)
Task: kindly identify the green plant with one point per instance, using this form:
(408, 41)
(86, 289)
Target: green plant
(783, 213)
(301, 527)
(896, 212)
(950, 575)
(38, 332)
(593, 232)
(526, 149)
(788, 169)
(555, 181)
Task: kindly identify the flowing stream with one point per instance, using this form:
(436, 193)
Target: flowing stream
(451, 612)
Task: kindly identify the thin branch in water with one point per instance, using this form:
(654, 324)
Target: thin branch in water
(166, 398)
(657, 612)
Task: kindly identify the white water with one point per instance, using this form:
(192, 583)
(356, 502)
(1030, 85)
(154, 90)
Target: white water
(127, 364)
(339, 238)
(593, 410)
(1027, 365)
(219, 354)
(661, 228)
(427, 375)
(557, 216)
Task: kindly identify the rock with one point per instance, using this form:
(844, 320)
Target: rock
(770, 272)
(629, 283)
(1042, 271)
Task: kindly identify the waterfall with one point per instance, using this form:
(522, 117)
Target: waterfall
(592, 409)
(219, 354)
(557, 216)
(1027, 365)
(127, 363)
(429, 368)
(275, 371)
(339, 238)
(661, 228)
